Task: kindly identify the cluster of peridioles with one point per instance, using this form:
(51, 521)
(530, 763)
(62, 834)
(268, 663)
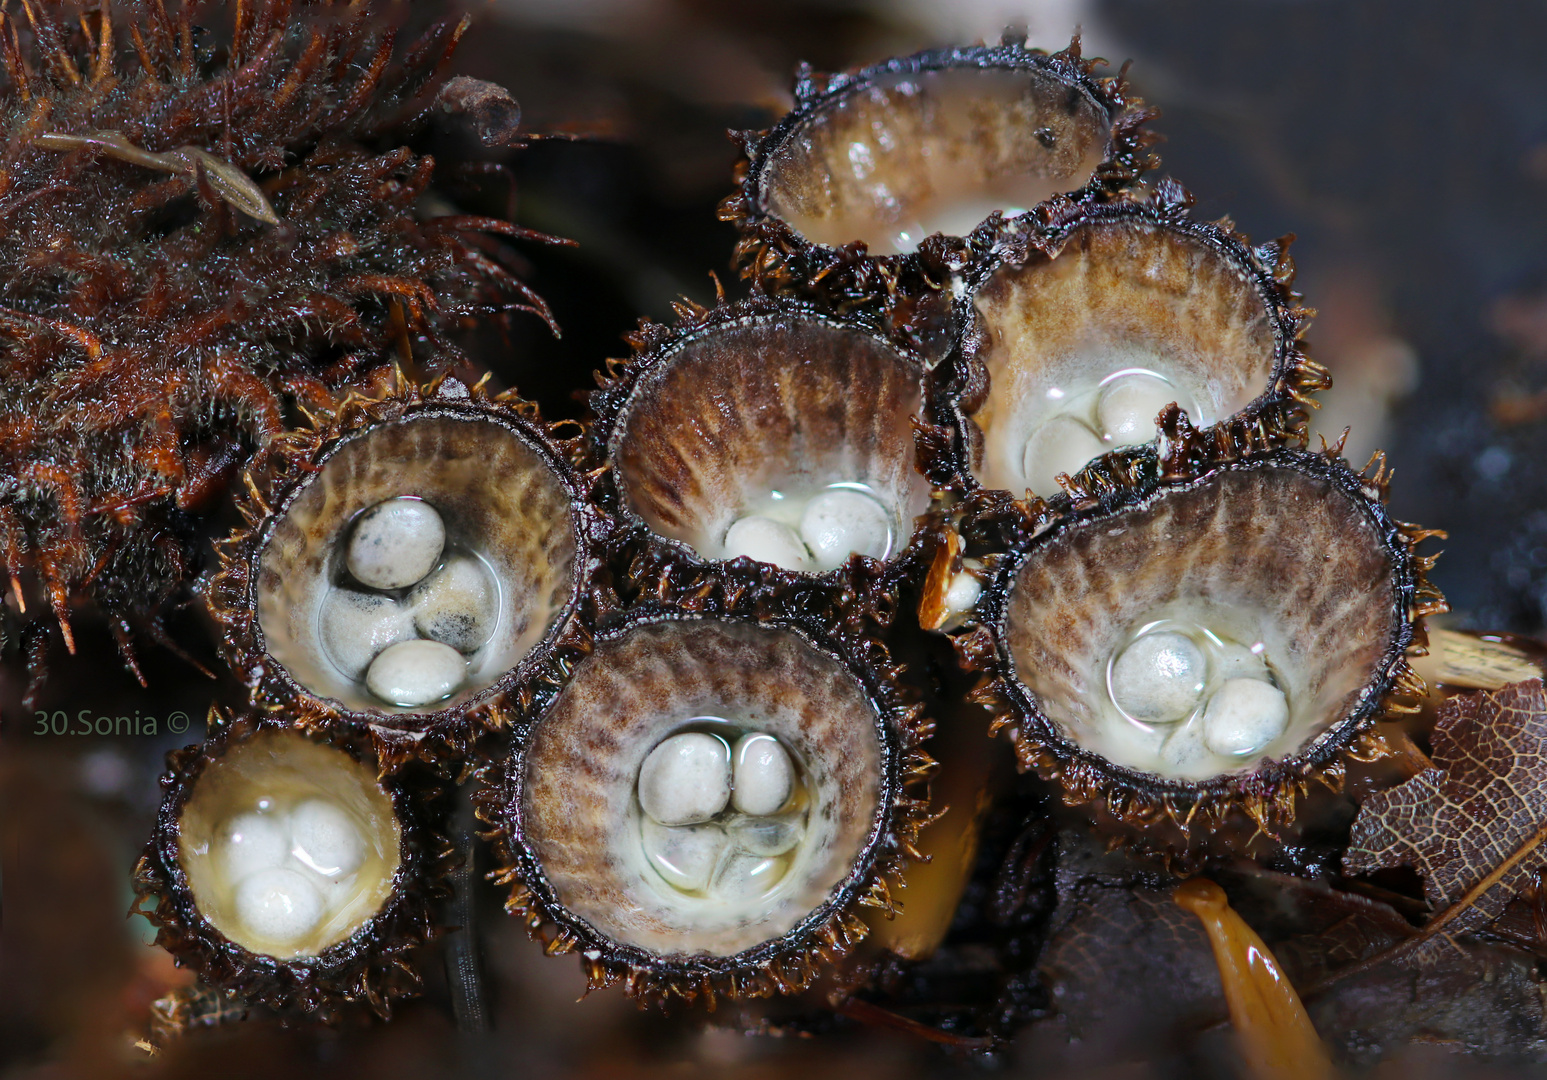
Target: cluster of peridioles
(1071, 436)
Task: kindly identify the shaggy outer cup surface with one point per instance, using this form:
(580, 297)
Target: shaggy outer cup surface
(500, 501)
(580, 812)
(742, 408)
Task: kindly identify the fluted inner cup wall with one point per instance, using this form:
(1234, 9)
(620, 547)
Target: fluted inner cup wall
(788, 440)
(289, 846)
(1083, 350)
(904, 155)
(702, 787)
(1209, 628)
(425, 559)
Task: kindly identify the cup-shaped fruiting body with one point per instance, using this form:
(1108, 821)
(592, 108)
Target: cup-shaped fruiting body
(767, 430)
(284, 870)
(703, 807)
(843, 193)
(1206, 642)
(1071, 342)
(411, 563)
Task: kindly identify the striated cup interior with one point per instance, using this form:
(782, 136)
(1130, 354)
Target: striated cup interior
(755, 419)
(1278, 579)
(1084, 350)
(507, 522)
(693, 887)
(906, 155)
(289, 846)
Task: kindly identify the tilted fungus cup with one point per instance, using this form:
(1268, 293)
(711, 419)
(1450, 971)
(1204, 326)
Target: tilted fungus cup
(704, 806)
(1206, 644)
(842, 193)
(286, 872)
(412, 564)
(1072, 340)
(770, 430)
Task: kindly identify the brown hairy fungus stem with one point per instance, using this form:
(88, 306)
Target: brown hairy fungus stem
(1274, 1033)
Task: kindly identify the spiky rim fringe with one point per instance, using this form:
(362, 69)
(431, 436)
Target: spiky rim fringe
(668, 570)
(370, 967)
(777, 258)
(276, 477)
(1266, 796)
(791, 962)
(1277, 416)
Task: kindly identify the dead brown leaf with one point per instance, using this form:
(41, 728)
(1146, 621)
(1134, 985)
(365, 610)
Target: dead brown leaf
(1474, 825)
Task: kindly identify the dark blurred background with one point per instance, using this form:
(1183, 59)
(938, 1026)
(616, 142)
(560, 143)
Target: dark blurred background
(1405, 143)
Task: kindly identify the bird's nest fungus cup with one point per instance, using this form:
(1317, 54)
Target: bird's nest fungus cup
(770, 431)
(412, 565)
(284, 870)
(1070, 346)
(1208, 643)
(705, 805)
(843, 193)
